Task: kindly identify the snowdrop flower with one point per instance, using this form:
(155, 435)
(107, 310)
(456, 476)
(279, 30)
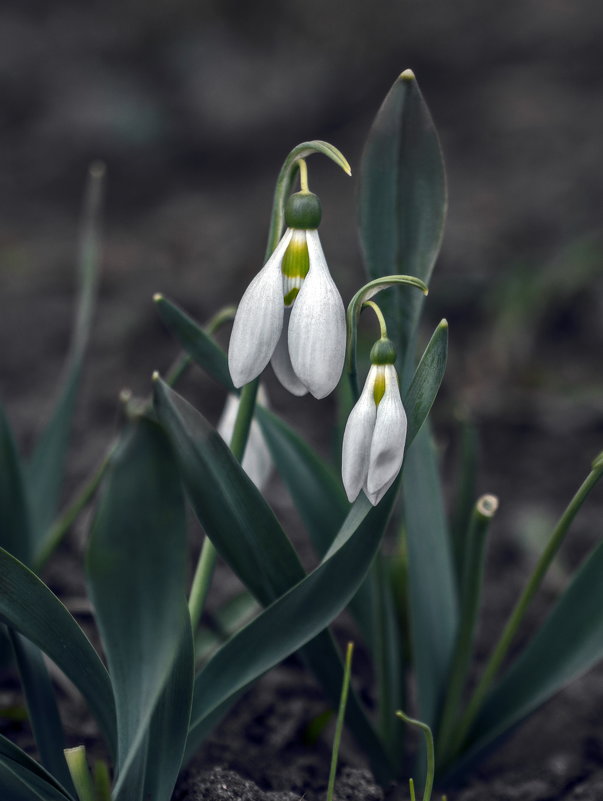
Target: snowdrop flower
(292, 313)
(375, 434)
(257, 462)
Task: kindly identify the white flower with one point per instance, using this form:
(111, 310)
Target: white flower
(374, 438)
(257, 462)
(291, 314)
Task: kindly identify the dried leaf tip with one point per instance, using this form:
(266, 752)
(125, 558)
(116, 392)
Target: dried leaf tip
(97, 169)
(407, 75)
(487, 505)
(157, 297)
(155, 375)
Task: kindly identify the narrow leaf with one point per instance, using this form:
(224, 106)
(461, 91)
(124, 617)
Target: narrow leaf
(42, 707)
(402, 201)
(28, 606)
(426, 381)
(46, 468)
(19, 784)
(568, 644)
(11, 753)
(15, 529)
(199, 345)
(432, 595)
(136, 571)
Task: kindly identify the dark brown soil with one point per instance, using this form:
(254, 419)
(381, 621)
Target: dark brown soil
(193, 107)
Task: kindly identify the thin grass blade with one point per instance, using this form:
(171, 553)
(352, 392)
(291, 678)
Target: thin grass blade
(46, 467)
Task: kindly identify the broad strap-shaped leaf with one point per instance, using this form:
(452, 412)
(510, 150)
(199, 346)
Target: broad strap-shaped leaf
(566, 646)
(293, 619)
(136, 566)
(42, 707)
(15, 528)
(402, 202)
(232, 511)
(432, 594)
(314, 486)
(18, 762)
(245, 532)
(199, 345)
(46, 468)
(29, 607)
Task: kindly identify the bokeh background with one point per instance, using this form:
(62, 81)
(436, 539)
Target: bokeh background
(194, 105)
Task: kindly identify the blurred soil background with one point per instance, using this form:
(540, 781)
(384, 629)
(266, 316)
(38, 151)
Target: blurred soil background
(193, 106)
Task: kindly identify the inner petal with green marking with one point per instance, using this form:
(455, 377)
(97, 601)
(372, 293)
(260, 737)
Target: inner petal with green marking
(295, 266)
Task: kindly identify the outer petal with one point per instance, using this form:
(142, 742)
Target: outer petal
(259, 320)
(357, 439)
(317, 329)
(389, 438)
(257, 462)
(281, 362)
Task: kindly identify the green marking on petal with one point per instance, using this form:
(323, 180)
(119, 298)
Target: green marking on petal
(291, 295)
(379, 387)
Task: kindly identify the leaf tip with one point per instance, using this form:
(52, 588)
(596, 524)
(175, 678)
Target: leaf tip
(443, 323)
(155, 377)
(487, 506)
(157, 297)
(407, 75)
(97, 169)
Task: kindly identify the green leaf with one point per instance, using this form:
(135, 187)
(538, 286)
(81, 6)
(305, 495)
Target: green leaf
(19, 784)
(42, 707)
(15, 529)
(432, 595)
(314, 486)
(15, 759)
(566, 646)
(169, 726)
(311, 604)
(426, 381)
(199, 345)
(236, 518)
(28, 606)
(46, 468)
(136, 566)
(245, 532)
(402, 202)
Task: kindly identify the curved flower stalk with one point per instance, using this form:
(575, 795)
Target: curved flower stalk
(292, 313)
(375, 434)
(257, 462)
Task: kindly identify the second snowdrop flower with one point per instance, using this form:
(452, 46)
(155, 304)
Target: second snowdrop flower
(292, 313)
(375, 434)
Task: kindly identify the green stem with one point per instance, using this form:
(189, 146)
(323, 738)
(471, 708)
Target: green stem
(430, 751)
(382, 324)
(80, 773)
(345, 687)
(470, 592)
(61, 526)
(517, 615)
(102, 781)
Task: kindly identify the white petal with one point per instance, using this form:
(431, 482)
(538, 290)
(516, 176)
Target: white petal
(317, 329)
(259, 320)
(357, 439)
(281, 363)
(257, 462)
(389, 438)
